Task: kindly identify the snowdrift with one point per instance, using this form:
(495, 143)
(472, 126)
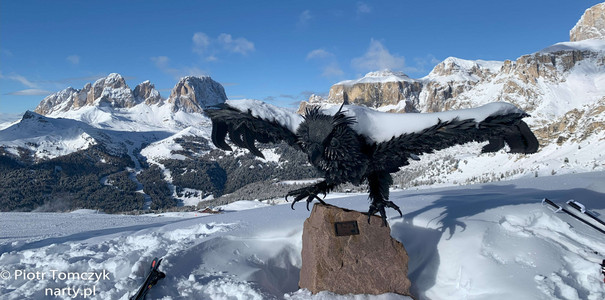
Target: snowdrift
(487, 241)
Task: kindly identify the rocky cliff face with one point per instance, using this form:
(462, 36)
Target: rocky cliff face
(107, 91)
(377, 89)
(457, 83)
(591, 25)
(191, 94)
(451, 79)
(396, 92)
(113, 91)
(576, 125)
(535, 81)
(146, 92)
(560, 86)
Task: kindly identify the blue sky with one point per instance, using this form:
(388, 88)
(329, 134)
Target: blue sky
(277, 51)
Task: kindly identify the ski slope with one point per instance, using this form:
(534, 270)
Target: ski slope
(485, 241)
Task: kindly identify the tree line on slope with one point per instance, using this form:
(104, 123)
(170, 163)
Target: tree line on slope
(96, 178)
(67, 182)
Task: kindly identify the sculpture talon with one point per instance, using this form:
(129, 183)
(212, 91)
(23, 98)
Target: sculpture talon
(394, 206)
(378, 206)
(310, 192)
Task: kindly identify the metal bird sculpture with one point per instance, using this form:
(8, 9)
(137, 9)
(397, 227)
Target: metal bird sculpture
(356, 144)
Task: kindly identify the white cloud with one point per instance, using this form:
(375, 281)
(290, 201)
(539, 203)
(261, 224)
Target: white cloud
(318, 54)
(160, 61)
(210, 48)
(363, 8)
(238, 45)
(6, 52)
(378, 57)
(20, 79)
(74, 59)
(201, 41)
(304, 18)
(328, 61)
(192, 71)
(163, 63)
(332, 70)
(423, 64)
(30, 92)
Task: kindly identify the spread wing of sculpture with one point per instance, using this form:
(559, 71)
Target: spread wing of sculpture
(357, 144)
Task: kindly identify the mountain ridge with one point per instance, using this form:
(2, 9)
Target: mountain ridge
(451, 83)
(190, 94)
(160, 147)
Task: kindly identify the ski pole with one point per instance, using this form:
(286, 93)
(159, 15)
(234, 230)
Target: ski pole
(557, 208)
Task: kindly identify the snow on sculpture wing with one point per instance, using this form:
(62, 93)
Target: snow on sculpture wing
(398, 137)
(247, 121)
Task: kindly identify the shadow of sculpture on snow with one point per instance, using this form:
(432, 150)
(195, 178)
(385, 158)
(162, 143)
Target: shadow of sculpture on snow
(421, 245)
(461, 203)
(456, 205)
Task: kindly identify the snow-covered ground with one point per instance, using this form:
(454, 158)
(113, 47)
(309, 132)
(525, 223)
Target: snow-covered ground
(486, 241)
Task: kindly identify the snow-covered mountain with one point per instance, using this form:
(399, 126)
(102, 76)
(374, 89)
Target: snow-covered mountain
(547, 83)
(73, 119)
(562, 86)
(193, 94)
(48, 138)
(190, 94)
(591, 25)
(111, 91)
(110, 103)
(103, 127)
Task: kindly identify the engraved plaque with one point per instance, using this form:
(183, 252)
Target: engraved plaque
(346, 228)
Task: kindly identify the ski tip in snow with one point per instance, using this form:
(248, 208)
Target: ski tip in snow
(551, 205)
(152, 279)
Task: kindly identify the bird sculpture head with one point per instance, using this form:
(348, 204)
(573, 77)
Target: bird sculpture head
(328, 140)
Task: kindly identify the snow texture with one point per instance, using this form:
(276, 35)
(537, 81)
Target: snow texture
(265, 111)
(592, 45)
(375, 125)
(378, 77)
(381, 126)
(487, 241)
(460, 70)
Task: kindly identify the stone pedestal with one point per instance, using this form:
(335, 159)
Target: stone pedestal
(344, 254)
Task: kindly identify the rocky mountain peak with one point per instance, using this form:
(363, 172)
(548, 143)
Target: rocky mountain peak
(112, 91)
(63, 100)
(530, 82)
(30, 115)
(464, 69)
(193, 94)
(190, 94)
(113, 80)
(316, 99)
(377, 77)
(107, 91)
(376, 89)
(591, 25)
(146, 92)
